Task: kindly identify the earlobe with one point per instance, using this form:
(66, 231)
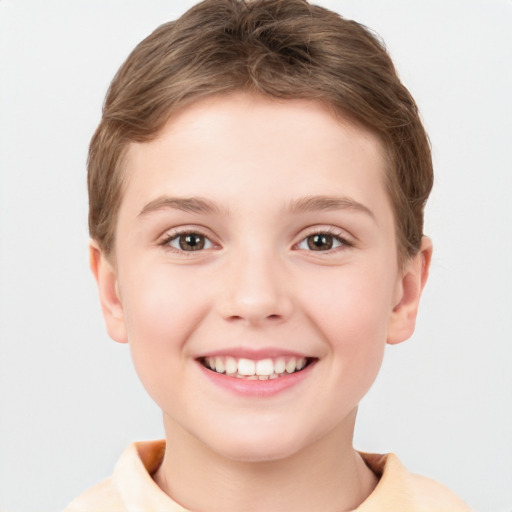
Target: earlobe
(108, 288)
(414, 277)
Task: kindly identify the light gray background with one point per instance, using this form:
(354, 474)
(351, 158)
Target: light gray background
(70, 400)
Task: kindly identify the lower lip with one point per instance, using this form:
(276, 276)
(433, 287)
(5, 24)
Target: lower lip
(257, 388)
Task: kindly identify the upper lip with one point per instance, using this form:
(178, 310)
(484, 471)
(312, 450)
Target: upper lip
(254, 354)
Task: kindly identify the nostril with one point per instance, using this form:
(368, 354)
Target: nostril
(254, 317)
(255, 309)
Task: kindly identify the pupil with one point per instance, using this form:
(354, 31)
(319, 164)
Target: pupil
(191, 242)
(320, 242)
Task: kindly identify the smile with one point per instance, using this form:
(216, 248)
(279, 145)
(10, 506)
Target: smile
(262, 369)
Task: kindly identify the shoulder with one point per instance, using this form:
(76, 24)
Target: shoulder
(103, 496)
(131, 486)
(434, 496)
(401, 490)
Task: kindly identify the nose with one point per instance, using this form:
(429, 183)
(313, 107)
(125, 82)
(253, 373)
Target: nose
(255, 290)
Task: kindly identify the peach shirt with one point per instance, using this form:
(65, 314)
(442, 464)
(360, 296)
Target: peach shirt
(131, 488)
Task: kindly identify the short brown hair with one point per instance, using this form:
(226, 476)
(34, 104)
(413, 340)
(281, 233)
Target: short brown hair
(279, 48)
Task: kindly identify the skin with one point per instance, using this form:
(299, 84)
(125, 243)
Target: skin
(257, 284)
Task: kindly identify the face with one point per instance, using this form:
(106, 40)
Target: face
(255, 274)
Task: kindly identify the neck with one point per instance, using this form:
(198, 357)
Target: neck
(328, 475)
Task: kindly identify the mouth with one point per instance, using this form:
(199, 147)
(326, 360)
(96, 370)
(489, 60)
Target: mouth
(261, 369)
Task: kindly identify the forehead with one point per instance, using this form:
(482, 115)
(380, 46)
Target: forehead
(245, 147)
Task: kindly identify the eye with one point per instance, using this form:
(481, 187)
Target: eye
(189, 241)
(322, 242)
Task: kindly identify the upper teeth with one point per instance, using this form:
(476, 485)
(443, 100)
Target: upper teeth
(262, 369)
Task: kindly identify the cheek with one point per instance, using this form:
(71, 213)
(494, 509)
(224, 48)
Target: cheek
(160, 305)
(351, 309)
(352, 302)
(161, 312)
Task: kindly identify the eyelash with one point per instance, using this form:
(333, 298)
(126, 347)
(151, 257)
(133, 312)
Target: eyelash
(331, 232)
(344, 243)
(179, 233)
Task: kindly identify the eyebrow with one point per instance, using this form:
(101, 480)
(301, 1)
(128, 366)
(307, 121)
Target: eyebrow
(186, 204)
(318, 203)
(301, 205)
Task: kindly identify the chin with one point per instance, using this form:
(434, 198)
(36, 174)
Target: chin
(258, 445)
(266, 452)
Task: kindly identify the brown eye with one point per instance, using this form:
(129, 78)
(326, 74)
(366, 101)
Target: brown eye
(190, 242)
(320, 242)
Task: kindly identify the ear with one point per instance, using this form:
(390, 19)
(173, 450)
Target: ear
(106, 279)
(409, 288)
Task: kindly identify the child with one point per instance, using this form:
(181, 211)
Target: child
(256, 189)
